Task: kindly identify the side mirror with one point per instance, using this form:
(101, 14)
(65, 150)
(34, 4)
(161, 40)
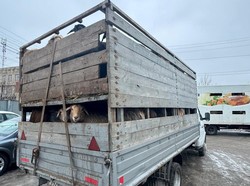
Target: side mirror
(207, 116)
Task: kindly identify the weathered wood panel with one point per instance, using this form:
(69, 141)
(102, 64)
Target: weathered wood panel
(80, 133)
(133, 32)
(75, 64)
(62, 171)
(83, 88)
(187, 91)
(86, 74)
(138, 75)
(57, 157)
(79, 42)
(128, 100)
(130, 133)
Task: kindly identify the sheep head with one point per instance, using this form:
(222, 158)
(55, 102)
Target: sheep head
(62, 116)
(77, 113)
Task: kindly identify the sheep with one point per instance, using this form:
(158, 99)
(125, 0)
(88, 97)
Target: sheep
(152, 113)
(181, 112)
(134, 114)
(36, 115)
(78, 113)
(60, 115)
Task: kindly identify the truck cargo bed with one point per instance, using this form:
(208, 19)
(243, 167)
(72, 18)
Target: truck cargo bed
(128, 71)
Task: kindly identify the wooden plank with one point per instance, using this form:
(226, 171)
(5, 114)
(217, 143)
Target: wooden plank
(127, 134)
(140, 79)
(79, 42)
(80, 134)
(136, 72)
(85, 74)
(86, 129)
(122, 87)
(73, 100)
(186, 90)
(75, 64)
(130, 61)
(63, 159)
(84, 88)
(122, 128)
(127, 100)
(122, 47)
(133, 32)
(60, 148)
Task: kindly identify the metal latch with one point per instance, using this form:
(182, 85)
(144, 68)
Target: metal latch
(35, 155)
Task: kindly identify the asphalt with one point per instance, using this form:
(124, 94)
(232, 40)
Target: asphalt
(226, 163)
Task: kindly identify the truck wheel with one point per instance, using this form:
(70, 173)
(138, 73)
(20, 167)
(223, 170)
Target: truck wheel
(211, 130)
(175, 175)
(202, 150)
(3, 163)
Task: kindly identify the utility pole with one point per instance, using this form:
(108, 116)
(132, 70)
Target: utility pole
(4, 43)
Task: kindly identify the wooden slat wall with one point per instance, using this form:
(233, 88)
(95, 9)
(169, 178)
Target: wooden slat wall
(80, 75)
(71, 45)
(80, 133)
(186, 91)
(54, 161)
(130, 133)
(54, 156)
(130, 30)
(142, 78)
(139, 78)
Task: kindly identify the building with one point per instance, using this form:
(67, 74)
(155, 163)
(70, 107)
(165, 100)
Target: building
(9, 83)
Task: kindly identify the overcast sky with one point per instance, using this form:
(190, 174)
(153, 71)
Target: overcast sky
(210, 36)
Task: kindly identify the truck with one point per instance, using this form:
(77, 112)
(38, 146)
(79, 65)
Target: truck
(112, 66)
(228, 105)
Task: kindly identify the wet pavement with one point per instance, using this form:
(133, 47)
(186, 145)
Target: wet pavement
(227, 163)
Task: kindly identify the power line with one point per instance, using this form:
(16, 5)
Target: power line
(209, 49)
(4, 35)
(217, 57)
(20, 37)
(14, 49)
(192, 45)
(239, 72)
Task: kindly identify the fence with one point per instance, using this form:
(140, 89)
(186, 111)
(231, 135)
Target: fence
(9, 105)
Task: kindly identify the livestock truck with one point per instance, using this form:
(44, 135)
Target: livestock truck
(110, 67)
(228, 105)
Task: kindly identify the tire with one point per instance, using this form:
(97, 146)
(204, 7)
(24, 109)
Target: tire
(202, 150)
(211, 130)
(175, 175)
(3, 163)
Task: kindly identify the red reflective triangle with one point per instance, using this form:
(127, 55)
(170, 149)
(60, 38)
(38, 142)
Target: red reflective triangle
(93, 145)
(23, 137)
(91, 180)
(121, 180)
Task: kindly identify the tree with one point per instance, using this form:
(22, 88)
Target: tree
(205, 80)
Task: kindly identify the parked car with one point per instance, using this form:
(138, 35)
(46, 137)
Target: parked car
(8, 137)
(5, 115)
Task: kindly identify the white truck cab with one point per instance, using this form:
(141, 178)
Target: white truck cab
(200, 143)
